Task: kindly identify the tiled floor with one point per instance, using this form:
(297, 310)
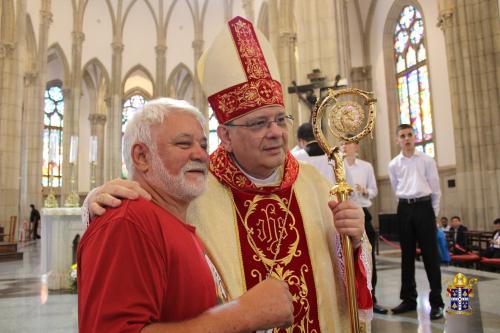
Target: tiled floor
(25, 303)
(27, 306)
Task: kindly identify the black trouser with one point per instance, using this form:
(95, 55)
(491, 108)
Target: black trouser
(417, 222)
(372, 237)
(35, 229)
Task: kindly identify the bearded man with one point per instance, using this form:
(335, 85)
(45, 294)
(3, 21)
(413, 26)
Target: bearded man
(141, 268)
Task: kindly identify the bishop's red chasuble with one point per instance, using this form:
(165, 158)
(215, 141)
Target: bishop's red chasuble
(271, 235)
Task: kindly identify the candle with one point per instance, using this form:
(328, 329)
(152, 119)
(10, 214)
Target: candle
(73, 152)
(93, 149)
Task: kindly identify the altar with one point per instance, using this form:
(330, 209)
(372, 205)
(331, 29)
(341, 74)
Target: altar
(60, 226)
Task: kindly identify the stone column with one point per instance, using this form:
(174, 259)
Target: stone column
(342, 34)
(31, 138)
(319, 45)
(72, 110)
(12, 42)
(472, 36)
(361, 78)
(114, 126)
(97, 122)
(161, 70)
(199, 98)
(10, 131)
(287, 63)
(39, 100)
(248, 8)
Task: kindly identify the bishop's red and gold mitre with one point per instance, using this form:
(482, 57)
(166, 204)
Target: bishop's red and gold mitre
(239, 72)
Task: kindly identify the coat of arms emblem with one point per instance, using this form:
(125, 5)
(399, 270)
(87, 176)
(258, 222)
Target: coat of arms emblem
(460, 292)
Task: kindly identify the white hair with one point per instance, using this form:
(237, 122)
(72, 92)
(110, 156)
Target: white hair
(152, 113)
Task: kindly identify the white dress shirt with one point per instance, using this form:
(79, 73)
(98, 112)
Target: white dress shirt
(295, 150)
(415, 177)
(361, 173)
(496, 240)
(319, 162)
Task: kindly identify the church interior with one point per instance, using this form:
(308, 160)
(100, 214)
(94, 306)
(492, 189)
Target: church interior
(72, 72)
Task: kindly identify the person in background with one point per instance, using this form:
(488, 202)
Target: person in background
(444, 252)
(301, 143)
(444, 224)
(35, 221)
(415, 182)
(459, 240)
(141, 267)
(493, 250)
(312, 152)
(361, 177)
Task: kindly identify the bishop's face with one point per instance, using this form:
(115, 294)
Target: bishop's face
(258, 140)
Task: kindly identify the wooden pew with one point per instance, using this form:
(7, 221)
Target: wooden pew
(11, 235)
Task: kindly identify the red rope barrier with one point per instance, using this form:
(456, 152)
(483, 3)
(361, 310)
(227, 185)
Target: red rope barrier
(388, 242)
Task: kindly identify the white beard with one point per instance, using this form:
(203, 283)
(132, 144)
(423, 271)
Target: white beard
(177, 185)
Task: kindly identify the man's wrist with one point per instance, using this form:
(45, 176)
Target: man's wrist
(359, 242)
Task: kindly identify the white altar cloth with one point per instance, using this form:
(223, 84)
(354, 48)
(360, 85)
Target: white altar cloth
(59, 228)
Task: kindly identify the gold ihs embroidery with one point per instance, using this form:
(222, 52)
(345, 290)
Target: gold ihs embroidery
(275, 222)
(266, 219)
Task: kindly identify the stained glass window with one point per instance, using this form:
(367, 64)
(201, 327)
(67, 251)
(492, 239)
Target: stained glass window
(131, 105)
(53, 137)
(412, 77)
(213, 138)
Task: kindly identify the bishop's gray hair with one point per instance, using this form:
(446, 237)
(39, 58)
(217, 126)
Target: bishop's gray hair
(152, 113)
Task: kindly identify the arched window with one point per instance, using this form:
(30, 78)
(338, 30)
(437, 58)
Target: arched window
(213, 139)
(412, 77)
(53, 136)
(130, 106)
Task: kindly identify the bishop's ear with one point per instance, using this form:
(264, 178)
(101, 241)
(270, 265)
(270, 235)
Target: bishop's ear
(224, 135)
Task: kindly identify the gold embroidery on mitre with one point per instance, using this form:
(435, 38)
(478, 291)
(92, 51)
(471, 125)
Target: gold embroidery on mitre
(259, 89)
(248, 96)
(250, 52)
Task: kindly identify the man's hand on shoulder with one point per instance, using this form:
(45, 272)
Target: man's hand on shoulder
(110, 193)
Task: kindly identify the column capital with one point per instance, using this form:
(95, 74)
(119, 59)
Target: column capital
(117, 47)
(445, 19)
(78, 36)
(160, 49)
(45, 17)
(107, 100)
(7, 49)
(30, 78)
(66, 92)
(97, 118)
(361, 77)
(288, 38)
(197, 44)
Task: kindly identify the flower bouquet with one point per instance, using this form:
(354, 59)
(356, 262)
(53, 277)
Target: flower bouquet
(72, 278)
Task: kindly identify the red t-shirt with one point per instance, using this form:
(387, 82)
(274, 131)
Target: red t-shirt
(138, 264)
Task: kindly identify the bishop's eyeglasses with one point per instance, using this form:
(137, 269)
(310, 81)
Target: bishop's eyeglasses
(282, 120)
